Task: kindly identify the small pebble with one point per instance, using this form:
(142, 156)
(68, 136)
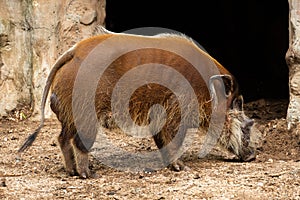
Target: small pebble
(260, 184)
(3, 183)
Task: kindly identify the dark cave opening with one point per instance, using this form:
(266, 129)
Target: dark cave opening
(250, 38)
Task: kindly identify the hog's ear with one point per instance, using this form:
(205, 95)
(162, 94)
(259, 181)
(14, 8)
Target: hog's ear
(220, 87)
(228, 83)
(238, 103)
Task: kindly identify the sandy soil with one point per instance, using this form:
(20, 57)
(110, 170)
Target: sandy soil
(39, 172)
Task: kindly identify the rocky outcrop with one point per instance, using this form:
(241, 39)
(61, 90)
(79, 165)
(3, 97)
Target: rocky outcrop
(32, 36)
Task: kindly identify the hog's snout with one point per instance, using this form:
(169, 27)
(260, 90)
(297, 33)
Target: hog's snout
(248, 155)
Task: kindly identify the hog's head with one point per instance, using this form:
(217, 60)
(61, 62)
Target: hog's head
(238, 130)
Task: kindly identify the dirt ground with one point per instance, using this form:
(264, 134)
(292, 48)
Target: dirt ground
(39, 173)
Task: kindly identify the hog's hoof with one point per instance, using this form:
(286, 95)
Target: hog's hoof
(72, 172)
(85, 174)
(178, 166)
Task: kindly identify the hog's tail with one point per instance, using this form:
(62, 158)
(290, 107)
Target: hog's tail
(64, 58)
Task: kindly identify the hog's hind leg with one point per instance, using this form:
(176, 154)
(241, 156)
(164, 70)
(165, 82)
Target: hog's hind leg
(66, 147)
(81, 157)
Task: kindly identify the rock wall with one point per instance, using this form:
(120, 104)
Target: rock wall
(293, 61)
(32, 36)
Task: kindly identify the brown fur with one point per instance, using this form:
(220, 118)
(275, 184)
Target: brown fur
(62, 78)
